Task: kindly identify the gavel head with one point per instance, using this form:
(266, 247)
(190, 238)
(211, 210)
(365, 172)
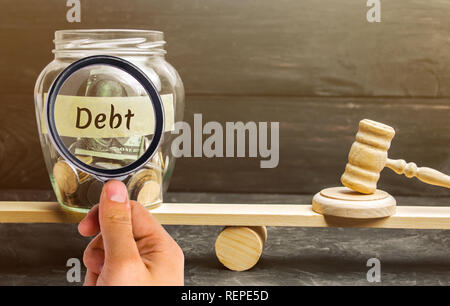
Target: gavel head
(368, 156)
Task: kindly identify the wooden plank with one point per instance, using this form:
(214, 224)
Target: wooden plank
(315, 138)
(417, 217)
(283, 48)
(36, 212)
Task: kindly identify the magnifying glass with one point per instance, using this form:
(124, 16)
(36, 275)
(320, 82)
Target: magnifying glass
(104, 117)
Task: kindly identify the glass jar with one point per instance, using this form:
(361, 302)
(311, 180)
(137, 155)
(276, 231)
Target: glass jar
(79, 191)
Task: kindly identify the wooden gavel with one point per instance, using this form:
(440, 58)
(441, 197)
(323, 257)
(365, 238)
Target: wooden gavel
(368, 156)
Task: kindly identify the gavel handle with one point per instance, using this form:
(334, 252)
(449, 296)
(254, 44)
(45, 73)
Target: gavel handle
(425, 174)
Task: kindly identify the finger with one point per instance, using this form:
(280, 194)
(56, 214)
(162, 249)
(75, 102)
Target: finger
(146, 226)
(160, 253)
(90, 226)
(94, 255)
(115, 223)
(90, 279)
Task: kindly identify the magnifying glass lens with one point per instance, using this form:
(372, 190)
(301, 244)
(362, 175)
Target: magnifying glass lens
(104, 119)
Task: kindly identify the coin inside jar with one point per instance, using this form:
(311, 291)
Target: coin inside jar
(67, 178)
(145, 186)
(94, 191)
(148, 192)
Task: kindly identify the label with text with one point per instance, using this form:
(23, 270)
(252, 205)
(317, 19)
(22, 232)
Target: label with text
(108, 117)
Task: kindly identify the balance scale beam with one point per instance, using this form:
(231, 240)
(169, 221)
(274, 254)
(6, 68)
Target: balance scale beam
(413, 217)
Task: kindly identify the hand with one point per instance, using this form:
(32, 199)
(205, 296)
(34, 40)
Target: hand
(131, 247)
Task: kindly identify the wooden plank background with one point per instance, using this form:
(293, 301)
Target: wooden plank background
(318, 67)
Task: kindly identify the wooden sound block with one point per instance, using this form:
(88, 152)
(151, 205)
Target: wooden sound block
(239, 247)
(344, 202)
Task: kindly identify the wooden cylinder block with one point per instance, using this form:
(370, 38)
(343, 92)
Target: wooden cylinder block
(347, 203)
(239, 247)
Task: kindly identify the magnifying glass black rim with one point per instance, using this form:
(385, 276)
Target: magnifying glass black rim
(135, 72)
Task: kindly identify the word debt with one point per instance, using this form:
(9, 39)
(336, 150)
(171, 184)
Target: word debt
(84, 118)
(231, 140)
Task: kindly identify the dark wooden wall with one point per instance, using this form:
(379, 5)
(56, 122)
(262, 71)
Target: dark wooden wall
(317, 67)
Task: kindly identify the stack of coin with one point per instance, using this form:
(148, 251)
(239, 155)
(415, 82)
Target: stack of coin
(68, 179)
(145, 187)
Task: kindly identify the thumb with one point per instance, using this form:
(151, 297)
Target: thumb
(115, 223)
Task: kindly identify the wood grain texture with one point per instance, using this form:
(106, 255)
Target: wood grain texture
(414, 217)
(367, 156)
(239, 247)
(425, 174)
(346, 203)
(253, 47)
(315, 139)
(310, 160)
(297, 62)
(37, 212)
